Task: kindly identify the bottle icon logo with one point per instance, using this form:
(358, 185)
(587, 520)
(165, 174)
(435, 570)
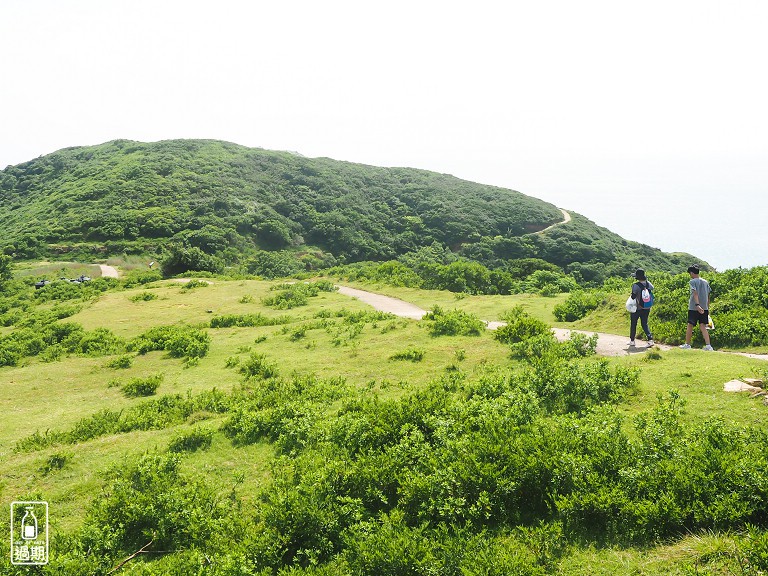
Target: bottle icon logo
(29, 533)
(29, 524)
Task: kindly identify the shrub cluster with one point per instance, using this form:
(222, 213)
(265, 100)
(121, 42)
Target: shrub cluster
(178, 341)
(287, 411)
(298, 294)
(412, 354)
(453, 323)
(196, 439)
(247, 320)
(52, 341)
(137, 387)
(578, 305)
(143, 297)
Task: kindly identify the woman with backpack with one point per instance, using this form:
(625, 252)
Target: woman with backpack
(642, 293)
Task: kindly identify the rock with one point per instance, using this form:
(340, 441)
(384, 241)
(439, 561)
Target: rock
(739, 386)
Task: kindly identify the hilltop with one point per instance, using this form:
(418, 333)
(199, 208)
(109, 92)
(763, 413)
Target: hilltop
(228, 202)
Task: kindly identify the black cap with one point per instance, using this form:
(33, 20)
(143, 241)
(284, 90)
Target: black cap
(640, 274)
(694, 268)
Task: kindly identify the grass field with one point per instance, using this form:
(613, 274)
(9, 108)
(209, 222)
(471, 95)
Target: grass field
(38, 396)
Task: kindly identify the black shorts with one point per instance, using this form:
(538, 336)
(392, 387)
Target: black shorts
(695, 318)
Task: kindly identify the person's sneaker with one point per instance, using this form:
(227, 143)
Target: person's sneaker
(632, 343)
(685, 346)
(708, 347)
(650, 342)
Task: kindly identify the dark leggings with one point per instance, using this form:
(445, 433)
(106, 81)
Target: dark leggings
(641, 313)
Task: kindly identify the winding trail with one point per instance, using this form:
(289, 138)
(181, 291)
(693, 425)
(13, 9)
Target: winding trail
(607, 344)
(566, 219)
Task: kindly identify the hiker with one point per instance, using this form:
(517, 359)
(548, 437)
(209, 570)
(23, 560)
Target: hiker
(698, 308)
(642, 292)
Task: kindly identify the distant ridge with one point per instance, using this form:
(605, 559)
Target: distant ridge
(230, 201)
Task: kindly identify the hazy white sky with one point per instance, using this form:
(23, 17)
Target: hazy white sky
(649, 118)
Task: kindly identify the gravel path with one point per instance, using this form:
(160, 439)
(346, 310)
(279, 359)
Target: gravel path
(607, 344)
(108, 271)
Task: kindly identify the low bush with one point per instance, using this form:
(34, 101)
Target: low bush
(196, 439)
(99, 342)
(257, 366)
(192, 284)
(141, 277)
(149, 500)
(178, 341)
(453, 323)
(121, 362)
(137, 387)
(247, 320)
(143, 297)
(520, 326)
(412, 354)
(578, 305)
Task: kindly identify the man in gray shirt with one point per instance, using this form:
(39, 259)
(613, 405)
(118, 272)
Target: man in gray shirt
(698, 308)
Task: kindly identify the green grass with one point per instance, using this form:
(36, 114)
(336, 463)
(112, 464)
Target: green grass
(39, 396)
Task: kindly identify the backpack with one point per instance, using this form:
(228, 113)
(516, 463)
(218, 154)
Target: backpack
(646, 296)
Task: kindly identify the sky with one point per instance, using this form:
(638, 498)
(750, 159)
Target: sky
(651, 119)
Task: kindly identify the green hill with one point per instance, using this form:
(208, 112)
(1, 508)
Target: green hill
(229, 201)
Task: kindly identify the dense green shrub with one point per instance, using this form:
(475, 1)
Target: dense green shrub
(247, 320)
(100, 342)
(143, 297)
(278, 264)
(178, 341)
(142, 386)
(550, 283)
(283, 410)
(193, 284)
(453, 323)
(52, 341)
(289, 298)
(297, 294)
(189, 344)
(578, 305)
(151, 501)
(121, 362)
(257, 366)
(519, 326)
(140, 278)
(6, 270)
(181, 258)
(196, 439)
(412, 354)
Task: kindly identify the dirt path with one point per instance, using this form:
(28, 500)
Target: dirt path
(108, 271)
(384, 303)
(566, 219)
(607, 344)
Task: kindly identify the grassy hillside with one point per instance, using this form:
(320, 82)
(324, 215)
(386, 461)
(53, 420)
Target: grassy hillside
(220, 203)
(289, 429)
